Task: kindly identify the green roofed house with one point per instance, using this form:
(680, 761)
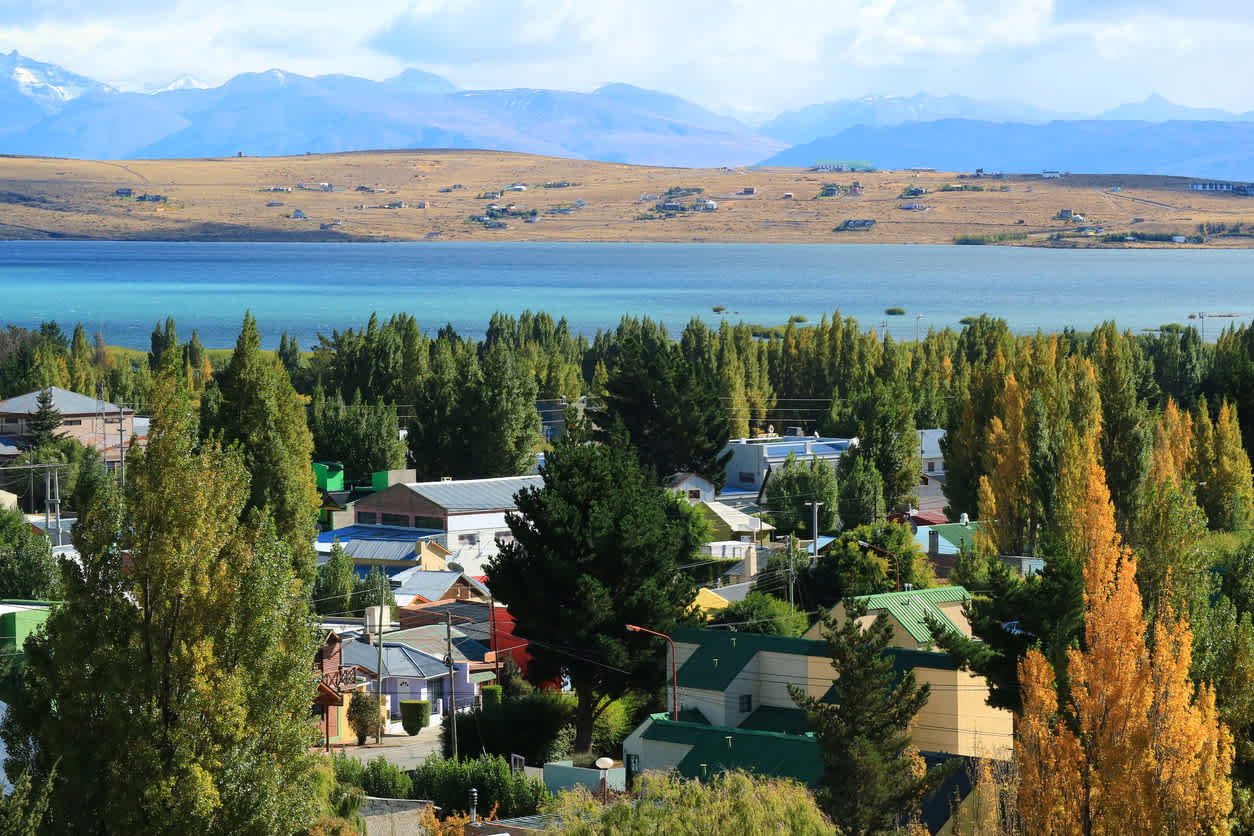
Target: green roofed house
(18, 619)
(909, 611)
(735, 710)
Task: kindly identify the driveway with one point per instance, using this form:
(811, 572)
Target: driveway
(397, 746)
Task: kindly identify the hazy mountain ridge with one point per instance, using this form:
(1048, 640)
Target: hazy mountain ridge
(1220, 150)
(51, 111)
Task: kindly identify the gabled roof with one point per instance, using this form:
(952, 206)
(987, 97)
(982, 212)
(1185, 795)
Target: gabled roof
(962, 536)
(677, 479)
(737, 520)
(431, 586)
(468, 495)
(398, 659)
(63, 400)
(718, 748)
(911, 607)
(380, 549)
(433, 639)
(473, 618)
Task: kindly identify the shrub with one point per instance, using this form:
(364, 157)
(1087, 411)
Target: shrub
(527, 726)
(447, 783)
(347, 770)
(415, 715)
(363, 715)
(491, 695)
(384, 779)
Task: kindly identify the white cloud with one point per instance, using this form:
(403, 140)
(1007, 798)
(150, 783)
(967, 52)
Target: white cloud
(730, 54)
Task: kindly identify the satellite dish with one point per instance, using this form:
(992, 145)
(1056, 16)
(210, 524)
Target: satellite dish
(604, 763)
(454, 566)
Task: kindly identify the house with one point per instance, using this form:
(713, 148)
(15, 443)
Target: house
(18, 619)
(735, 711)
(468, 513)
(107, 427)
(908, 611)
(932, 480)
(299, 215)
(753, 458)
(409, 674)
(1212, 186)
(487, 623)
(336, 685)
(1050, 175)
(748, 190)
(713, 599)
(124, 192)
(425, 586)
(915, 207)
(728, 523)
(395, 556)
(691, 486)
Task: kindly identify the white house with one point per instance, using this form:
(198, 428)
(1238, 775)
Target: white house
(753, 457)
(468, 513)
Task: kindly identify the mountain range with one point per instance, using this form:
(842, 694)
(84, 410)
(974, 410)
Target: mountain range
(50, 111)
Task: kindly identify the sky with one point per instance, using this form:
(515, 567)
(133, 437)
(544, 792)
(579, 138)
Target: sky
(751, 58)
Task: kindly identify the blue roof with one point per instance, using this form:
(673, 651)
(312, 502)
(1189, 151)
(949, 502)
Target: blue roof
(823, 542)
(398, 659)
(393, 533)
(9, 446)
(943, 546)
(817, 447)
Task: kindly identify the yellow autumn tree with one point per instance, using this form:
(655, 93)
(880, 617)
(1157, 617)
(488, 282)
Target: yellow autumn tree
(1005, 490)
(1132, 747)
(1172, 455)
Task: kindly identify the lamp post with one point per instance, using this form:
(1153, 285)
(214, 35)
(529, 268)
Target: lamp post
(896, 563)
(674, 667)
(917, 317)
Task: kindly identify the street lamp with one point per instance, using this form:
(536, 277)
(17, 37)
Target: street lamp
(674, 672)
(896, 563)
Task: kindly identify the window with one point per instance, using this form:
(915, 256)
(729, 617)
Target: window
(746, 703)
(10, 420)
(401, 520)
(72, 422)
(433, 523)
(694, 493)
(367, 517)
(747, 477)
(931, 467)
(505, 536)
(468, 539)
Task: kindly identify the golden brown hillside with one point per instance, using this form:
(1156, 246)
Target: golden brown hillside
(411, 195)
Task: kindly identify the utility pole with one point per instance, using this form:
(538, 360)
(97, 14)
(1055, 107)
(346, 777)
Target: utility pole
(452, 680)
(790, 560)
(814, 530)
(122, 442)
(496, 657)
(378, 738)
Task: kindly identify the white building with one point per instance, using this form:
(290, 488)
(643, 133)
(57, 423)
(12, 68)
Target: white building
(753, 457)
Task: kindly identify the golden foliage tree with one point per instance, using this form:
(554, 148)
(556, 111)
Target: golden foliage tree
(1005, 489)
(1132, 747)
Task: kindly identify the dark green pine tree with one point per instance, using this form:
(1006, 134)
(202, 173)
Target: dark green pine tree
(869, 783)
(163, 339)
(860, 498)
(595, 548)
(43, 425)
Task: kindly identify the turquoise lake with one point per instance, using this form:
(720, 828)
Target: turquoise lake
(306, 289)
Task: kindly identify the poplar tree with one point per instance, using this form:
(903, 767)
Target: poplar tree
(252, 404)
(1131, 745)
(171, 688)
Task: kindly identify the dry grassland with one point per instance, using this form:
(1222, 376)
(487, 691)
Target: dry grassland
(222, 199)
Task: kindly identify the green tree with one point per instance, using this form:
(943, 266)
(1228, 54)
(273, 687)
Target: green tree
(27, 567)
(252, 404)
(727, 804)
(22, 811)
(365, 437)
(595, 548)
(163, 340)
(872, 779)
(333, 583)
(794, 485)
(82, 374)
(860, 500)
(758, 612)
(174, 693)
(500, 414)
(847, 567)
(882, 419)
(1126, 431)
(42, 426)
(371, 591)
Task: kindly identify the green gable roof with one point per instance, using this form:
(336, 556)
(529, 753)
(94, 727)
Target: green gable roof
(913, 606)
(721, 655)
(961, 535)
(719, 748)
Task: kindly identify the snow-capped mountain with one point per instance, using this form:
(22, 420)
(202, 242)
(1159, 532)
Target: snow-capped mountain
(31, 90)
(183, 82)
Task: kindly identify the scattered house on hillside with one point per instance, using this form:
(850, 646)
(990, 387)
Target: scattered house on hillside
(1212, 186)
(1051, 175)
(299, 215)
(1064, 214)
(908, 610)
(691, 486)
(735, 711)
(469, 513)
(915, 207)
(107, 427)
(749, 190)
(124, 192)
(728, 523)
(753, 458)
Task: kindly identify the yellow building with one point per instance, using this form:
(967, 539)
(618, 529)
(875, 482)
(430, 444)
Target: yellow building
(908, 612)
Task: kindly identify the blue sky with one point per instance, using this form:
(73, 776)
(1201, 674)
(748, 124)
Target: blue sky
(744, 57)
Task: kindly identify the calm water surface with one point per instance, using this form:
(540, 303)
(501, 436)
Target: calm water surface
(310, 288)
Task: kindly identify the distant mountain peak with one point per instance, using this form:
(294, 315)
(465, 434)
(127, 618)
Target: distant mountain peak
(420, 81)
(183, 82)
(48, 86)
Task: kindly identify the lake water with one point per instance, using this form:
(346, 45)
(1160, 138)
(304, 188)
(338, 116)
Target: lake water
(125, 287)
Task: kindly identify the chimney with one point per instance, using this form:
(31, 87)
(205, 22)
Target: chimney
(751, 562)
(933, 542)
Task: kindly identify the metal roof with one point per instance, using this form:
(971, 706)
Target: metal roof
(430, 585)
(398, 659)
(63, 400)
(432, 639)
(380, 549)
(378, 532)
(911, 607)
(467, 495)
(737, 520)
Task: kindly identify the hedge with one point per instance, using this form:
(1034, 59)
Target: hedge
(447, 783)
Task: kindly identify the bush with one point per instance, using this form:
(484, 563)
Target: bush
(363, 715)
(491, 695)
(415, 715)
(527, 726)
(347, 770)
(384, 779)
(447, 783)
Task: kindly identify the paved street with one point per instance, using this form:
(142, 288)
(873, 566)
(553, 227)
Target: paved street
(397, 746)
